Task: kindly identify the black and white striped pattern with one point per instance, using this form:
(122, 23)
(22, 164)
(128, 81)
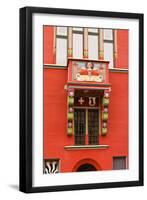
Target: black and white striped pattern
(51, 167)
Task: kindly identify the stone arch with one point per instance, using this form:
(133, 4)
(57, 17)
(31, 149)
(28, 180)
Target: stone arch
(89, 162)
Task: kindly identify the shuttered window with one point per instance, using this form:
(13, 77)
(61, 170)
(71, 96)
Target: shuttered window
(119, 163)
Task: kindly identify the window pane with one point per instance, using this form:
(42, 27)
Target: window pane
(93, 126)
(93, 30)
(119, 163)
(77, 45)
(108, 35)
(79, 126)
(61, 52)
(77, 29)
(108, 53)
(62, 31)
(93, 46)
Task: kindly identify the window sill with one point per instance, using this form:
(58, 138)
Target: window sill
(121, 70)
(77, 147)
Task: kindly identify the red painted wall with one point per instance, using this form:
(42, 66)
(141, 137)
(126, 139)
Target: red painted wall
(55, 116)
(123, 45)
(55, 134)
(48, 34)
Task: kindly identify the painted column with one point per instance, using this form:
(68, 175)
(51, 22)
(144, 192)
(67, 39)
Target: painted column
(70, 111)
(70, 43)
(101, 44)
(115, 47)
(54, 44)
(105, 103)
(85, 42)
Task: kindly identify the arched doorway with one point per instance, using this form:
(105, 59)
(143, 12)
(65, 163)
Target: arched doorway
(86, 164)
(86, 167)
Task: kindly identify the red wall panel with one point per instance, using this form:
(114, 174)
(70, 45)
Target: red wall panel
(48, 33)
(55, 121)
(122, 48)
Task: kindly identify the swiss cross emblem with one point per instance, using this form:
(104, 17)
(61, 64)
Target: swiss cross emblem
(81, 100)
(86, 101)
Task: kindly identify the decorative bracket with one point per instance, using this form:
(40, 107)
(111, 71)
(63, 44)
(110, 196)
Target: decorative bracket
(105, 104)
(70, 111)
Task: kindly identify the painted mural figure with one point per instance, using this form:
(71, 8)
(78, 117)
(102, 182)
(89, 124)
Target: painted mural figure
(89, 73)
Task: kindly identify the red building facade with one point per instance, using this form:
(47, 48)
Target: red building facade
(85, 99)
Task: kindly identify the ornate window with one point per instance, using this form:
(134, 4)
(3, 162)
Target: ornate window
(86, 122)
(93, 126)
(80, 126)
(88, 88)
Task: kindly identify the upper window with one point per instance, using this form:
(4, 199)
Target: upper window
(93, 30)
(62, 31)
(77, 43)
(92, 41)
(93, 44)
(77, 29)
(61, 53)
(108, 46)
(108, 35)
(61, 46)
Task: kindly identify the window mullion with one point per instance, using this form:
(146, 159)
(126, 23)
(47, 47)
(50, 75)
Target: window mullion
(85, 43)
(54, 44)
(115, 47)
(86, 122)
(101, 44)
(70, 43)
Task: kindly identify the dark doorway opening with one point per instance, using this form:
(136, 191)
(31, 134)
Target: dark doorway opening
(86, 167)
